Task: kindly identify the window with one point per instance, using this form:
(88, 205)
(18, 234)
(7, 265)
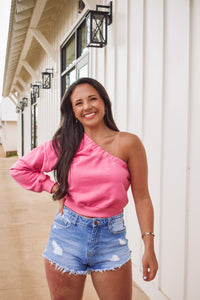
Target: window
(81, 39)
(74, 58)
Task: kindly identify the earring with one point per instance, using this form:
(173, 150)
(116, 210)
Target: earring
(76, 121)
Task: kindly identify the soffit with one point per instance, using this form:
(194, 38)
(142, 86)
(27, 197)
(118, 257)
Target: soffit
(24, 16)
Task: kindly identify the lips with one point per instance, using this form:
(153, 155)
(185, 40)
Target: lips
(91, 115)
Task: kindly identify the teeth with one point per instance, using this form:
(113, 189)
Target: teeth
(89, 115)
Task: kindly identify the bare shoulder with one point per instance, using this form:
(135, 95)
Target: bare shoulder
(130, 145)
(129, 140)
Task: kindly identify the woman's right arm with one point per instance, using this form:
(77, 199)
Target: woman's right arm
(29, 171)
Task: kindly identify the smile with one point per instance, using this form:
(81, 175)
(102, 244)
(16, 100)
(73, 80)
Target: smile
(88, 116)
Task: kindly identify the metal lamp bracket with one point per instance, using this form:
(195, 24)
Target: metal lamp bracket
(109, 13)
(50, 71)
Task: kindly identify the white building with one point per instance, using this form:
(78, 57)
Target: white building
(151, 69)
(8, 126)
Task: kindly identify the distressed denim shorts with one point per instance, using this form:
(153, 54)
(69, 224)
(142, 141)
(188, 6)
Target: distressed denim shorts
(81, 245)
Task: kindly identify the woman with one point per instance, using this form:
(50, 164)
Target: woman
(94, 165)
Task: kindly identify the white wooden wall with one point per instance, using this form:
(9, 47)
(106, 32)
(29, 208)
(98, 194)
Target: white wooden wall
(151, 70)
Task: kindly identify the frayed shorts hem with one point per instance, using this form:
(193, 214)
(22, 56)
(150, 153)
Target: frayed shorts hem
(85, 272)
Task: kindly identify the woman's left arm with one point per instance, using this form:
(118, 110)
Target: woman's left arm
(137, 164)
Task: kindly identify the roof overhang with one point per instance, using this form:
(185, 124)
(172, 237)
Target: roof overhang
(29, 25)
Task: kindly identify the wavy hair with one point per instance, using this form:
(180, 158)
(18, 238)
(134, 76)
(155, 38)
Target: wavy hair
(67, 139)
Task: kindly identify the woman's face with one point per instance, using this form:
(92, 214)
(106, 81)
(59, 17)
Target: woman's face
(88, 106)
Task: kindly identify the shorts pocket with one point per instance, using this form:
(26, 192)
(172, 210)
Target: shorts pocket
(117, 226)
(62, 221)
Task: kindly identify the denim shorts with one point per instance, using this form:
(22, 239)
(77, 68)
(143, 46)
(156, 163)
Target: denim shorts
(81, 245)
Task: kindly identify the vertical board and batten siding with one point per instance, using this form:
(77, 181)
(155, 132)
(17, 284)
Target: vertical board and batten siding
(192, 243)
(48, 110)
(174, 154)
(150, 69)
(49, 120)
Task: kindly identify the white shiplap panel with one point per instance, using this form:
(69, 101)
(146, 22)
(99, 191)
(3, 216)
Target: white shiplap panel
(153, 103)
(192, 242)
(135, 66)
(92, 62)
(121, 42)
(110, 63)
(145, 75)
(100, 65)
(134, 114)
(175, 109)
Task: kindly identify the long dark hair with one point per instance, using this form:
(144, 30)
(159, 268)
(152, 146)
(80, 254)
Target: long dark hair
(67, 139)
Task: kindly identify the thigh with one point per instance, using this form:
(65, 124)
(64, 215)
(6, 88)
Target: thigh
(115, 284)
(63, 286)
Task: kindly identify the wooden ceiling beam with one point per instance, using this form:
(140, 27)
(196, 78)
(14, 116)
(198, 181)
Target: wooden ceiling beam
(44, 43)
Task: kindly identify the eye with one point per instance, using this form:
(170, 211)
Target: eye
(93, 99)
(77, 103)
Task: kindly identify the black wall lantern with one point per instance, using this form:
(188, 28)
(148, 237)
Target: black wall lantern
(24, 101)
(96, 25)
(22, 104)
(46, 78)
(35, 91)
(18, 109)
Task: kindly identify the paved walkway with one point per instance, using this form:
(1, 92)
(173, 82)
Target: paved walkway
(25, 220)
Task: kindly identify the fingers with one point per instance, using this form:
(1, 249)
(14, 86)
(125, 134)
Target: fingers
(145, 272)
(149, 274)
(150, 267)
(61, 205)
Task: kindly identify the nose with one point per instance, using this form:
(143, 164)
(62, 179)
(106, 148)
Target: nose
(86, 106)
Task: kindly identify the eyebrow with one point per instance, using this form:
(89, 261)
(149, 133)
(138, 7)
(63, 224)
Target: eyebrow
(90, 96)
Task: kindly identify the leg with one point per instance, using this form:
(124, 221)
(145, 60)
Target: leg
(63, 286)
(114, 285)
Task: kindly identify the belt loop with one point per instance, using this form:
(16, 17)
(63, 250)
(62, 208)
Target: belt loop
(75, 217)
(72, 217)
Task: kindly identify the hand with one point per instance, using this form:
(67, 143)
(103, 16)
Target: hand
(55, 188)
(61, 205)
(61, 201)
(150, 265)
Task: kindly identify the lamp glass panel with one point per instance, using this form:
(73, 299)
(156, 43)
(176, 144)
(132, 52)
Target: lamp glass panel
(25, 101)
(46, 80)
(98, 28)
(36, 90)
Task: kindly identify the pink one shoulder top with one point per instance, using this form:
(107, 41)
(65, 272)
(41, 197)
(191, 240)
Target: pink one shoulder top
(98, 180)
